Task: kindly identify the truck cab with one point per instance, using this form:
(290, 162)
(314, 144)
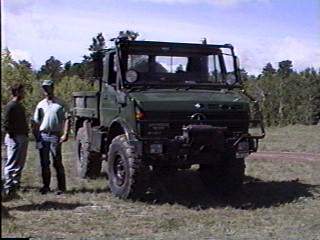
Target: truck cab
(164, 106)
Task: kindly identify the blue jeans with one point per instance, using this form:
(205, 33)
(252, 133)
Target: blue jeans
(51, 145)
(16, 158)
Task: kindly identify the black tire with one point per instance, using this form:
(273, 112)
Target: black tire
(127, 175)
(225, 176)
(88, 163)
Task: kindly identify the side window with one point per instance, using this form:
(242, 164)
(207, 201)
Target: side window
(114, 63)
(170, 64)
(215, 72)
(112, 69)
(140, 63)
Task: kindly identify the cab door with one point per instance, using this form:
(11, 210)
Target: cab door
(109, 108)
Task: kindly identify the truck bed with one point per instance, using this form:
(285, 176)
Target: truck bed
(85, 104)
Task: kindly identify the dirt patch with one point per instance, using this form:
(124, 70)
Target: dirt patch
(285, 156)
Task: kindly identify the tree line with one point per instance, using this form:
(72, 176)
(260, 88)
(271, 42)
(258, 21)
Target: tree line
(68, 77)
(286, 96)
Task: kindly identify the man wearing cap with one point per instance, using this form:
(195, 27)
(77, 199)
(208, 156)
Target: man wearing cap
(51, 128)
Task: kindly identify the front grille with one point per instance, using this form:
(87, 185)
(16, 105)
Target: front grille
(234, 121)
(186, 115)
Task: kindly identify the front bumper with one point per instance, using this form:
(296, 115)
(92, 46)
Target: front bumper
(198, 144)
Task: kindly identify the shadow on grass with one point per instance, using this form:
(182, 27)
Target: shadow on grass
(71, 191)
(87, 190)
(187, 189)
(48, 205)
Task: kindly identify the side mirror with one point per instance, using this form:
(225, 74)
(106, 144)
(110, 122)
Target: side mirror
(121, 98)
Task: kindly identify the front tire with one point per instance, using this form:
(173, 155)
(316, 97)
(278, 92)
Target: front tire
(127, 175)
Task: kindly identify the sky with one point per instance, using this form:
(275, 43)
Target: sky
(261, 31)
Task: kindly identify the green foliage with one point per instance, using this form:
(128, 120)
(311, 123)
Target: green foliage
(21, 72)
(98, 43)
(67, 85)
(286, 96)
(52, 67)
(18, 72)
(97, 49)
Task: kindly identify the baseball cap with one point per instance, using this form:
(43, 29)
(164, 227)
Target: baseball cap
(47, 82)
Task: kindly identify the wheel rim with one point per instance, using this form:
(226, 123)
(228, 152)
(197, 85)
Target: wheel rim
(119, 171)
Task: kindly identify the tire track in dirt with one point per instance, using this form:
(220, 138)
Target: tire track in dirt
(285, 156)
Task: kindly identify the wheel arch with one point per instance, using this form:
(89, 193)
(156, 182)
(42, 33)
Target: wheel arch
(117, 127)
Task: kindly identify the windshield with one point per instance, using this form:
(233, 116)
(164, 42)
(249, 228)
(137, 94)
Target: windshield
(182, 69)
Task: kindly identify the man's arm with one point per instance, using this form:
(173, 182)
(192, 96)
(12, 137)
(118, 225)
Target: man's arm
(35, 124)
(66, 130)
(67, 123)
(7, 123)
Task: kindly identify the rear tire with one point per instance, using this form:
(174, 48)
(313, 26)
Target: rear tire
(127, 175)
(88, 163)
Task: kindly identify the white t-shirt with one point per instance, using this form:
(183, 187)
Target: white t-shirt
(51, 114)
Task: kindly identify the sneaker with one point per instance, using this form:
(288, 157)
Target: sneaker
(44, 190)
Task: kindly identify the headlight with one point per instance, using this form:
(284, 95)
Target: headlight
(242, 149)
(131, 76)
(243, 146)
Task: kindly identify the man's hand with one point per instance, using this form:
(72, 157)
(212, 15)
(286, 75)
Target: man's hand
(35, 130)
(64, 138)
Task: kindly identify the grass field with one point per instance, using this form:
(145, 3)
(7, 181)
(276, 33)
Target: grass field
(298, 138)
(280, 200)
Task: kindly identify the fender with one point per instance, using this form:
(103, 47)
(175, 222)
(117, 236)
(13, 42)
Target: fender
(129, 132)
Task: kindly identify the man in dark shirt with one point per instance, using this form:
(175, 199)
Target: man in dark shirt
(16, 139)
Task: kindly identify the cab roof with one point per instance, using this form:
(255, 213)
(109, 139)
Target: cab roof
(153, 46)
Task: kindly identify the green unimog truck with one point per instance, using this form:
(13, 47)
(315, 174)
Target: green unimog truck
(164, 106)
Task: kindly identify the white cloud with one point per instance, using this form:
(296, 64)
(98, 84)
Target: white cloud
(37, 34)
(67, 36)
(254, 55)
(300, 51)
(223, 3)
(19, 54)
